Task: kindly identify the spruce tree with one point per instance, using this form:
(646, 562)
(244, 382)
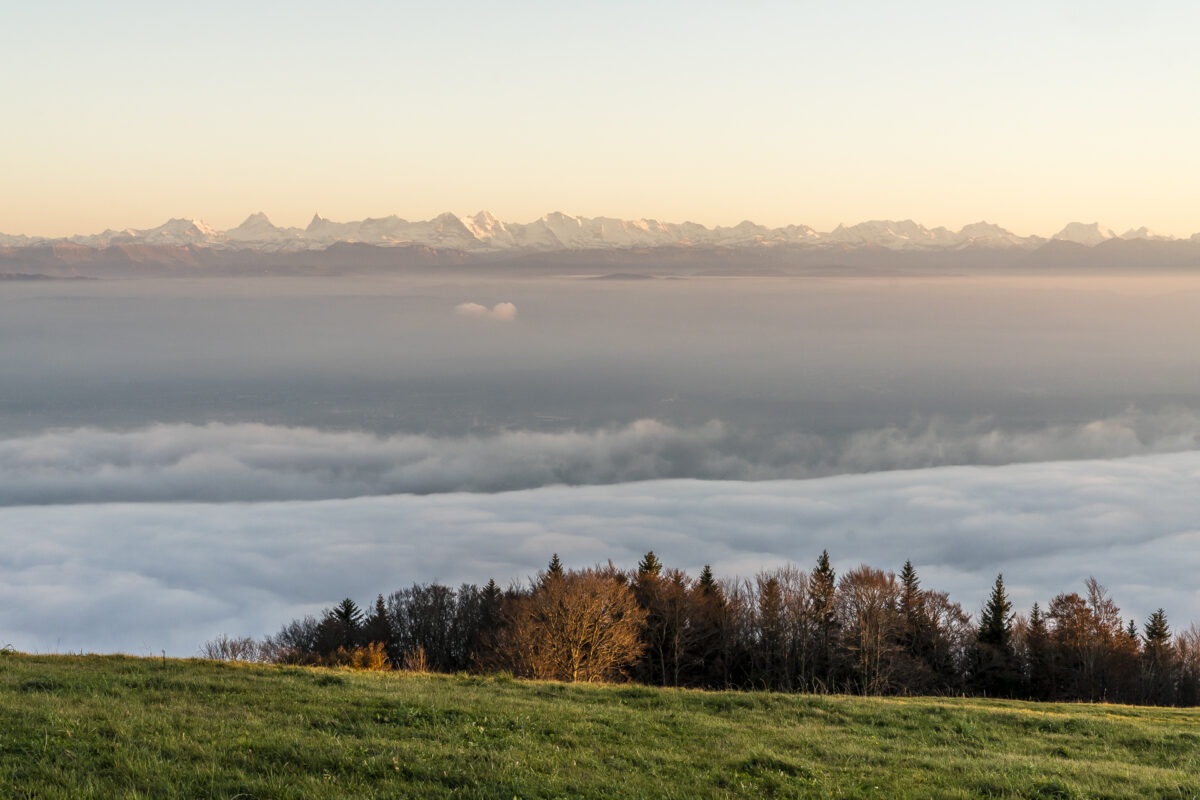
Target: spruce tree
(649, 565)
(822, 592)
(1158, 633)
(911, 583)
(1037, 655)
(708, 630)
(348, 613)
(1157, 661)
(995, 622)
(554, 572)
(491, 619)
(995, 671)
(708, 588)
(770, 634)
(342, 627)
(912, 609)
(1037, 620)
(491, 599)
(822, 585)
(378, 627)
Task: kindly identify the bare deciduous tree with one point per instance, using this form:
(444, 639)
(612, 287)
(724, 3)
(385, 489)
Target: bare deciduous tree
(228, 648)
(868, 607)
(579, 626)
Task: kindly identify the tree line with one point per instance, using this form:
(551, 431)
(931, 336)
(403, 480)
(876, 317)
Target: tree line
(867, 631)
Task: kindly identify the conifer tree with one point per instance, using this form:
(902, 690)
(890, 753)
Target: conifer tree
(341, 627)
(770, 632)
(1037, 655)
(995, 622)
(487, 632)
(822, 591)
(378, 628)
(1037, 620)
(708, 589)
(822, 587)
(911, 584)
(1158, 633)
(995, 671)
(649, 565)
(1158, 659)
(348, 613)
(708, 635)
(912, 608)
(554, 572)
(491, 604)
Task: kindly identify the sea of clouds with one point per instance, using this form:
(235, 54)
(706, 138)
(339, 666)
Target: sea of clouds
(254, 462)
(149, 577)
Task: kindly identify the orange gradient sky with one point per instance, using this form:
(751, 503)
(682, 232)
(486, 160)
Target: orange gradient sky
(1028, 115)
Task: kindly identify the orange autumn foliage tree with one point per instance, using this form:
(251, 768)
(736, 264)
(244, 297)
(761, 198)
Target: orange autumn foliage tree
(578, 626)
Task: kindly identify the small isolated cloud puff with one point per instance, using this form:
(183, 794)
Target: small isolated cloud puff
(502, 312)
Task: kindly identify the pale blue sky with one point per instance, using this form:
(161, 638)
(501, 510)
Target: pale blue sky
(1025, 114)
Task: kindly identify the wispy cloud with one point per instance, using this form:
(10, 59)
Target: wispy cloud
(142, 577)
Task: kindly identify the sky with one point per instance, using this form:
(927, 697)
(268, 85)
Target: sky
(1026, 114)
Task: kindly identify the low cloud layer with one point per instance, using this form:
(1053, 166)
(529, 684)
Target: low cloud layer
(145, 577)
(252, 462)
(502, 312)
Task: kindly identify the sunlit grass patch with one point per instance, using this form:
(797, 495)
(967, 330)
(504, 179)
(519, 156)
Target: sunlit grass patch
(123, 727)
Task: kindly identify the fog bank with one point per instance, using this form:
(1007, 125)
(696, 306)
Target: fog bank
(249, 462)
(145, 577)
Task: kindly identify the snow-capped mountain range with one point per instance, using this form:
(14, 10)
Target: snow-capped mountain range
(484, 233)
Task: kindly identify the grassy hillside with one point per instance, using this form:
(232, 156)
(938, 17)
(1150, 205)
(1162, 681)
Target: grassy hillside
(123, 727)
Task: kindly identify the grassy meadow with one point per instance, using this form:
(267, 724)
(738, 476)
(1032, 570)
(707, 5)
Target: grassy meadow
(119, 727)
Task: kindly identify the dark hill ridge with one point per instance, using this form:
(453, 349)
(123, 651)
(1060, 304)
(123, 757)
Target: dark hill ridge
(126, 260)
(129, 261)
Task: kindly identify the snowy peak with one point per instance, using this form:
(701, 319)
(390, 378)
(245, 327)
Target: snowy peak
(258, 220)
(984, 230)
(485, 233)
(257, 232)
(175, 232)
(254, 225)
(891, 234)
(1144, 233)
(1088, 235)
(985, 234)
(179, 231)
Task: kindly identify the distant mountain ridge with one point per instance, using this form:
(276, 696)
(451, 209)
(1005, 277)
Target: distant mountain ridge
(483, 233)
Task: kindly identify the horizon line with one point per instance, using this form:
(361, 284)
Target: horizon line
(1146, 231)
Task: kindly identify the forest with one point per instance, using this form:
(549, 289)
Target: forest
(867, 631)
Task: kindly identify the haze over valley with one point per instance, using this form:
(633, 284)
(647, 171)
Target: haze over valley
(332, 399)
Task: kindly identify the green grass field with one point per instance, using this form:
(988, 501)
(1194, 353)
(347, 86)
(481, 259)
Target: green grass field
(92, 726)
